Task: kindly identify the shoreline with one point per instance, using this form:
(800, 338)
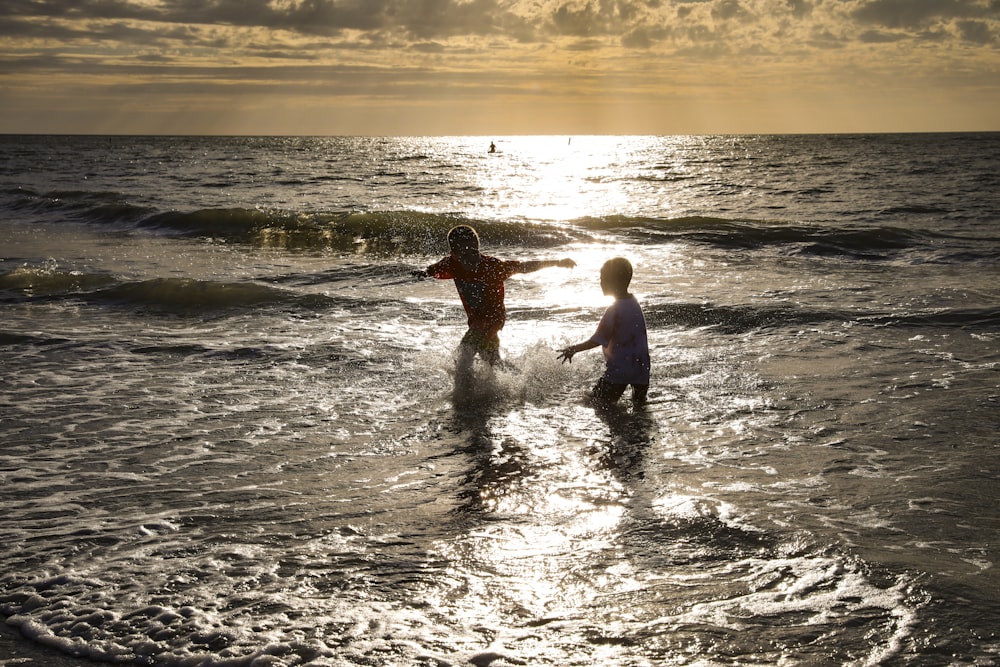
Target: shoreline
(18, 651)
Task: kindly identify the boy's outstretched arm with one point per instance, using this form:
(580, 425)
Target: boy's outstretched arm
(539, 264)
(567, 353)
(436, 270)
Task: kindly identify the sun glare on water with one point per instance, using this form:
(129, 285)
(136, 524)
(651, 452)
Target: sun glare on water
(556, 179)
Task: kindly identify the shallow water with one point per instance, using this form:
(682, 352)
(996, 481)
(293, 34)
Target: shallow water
(231, 435)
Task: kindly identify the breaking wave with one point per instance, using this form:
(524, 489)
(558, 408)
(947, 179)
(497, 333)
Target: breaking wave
(170, 295)
(413, 232)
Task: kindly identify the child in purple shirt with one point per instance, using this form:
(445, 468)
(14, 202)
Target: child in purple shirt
(622, 334)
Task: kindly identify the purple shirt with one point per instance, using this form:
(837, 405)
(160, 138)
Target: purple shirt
(622, 334)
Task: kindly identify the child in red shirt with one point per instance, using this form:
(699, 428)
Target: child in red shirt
(480, 282)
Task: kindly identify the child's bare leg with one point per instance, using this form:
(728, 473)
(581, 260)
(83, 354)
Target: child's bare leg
(608, 393)
(466, 355)
(473, 342)
(491, 356)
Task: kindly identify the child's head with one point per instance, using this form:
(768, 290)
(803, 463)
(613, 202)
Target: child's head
(464, 242)
(616, 274)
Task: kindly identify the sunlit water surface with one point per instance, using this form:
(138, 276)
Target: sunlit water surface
(231, 433)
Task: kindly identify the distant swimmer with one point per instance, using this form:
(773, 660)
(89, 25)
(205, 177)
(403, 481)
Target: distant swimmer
(493, 147)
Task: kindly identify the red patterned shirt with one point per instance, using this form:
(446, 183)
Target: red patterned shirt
(481, 289)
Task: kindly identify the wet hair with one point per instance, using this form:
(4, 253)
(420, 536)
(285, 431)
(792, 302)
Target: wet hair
(463, 235)
(619, 270)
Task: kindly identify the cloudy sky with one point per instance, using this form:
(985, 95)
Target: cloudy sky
(495, 67)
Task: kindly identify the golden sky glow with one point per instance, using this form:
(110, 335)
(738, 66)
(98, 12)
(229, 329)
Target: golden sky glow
(496, 67)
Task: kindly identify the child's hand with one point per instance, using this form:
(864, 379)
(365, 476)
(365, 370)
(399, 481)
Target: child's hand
(567, 355)
(567, 263)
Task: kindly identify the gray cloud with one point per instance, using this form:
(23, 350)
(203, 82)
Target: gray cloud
(799, 8)
(582, 20)
(977, 32)
(729, 9)
(711, 28)
(913, 14)
(645, 38)
(19, 27)
(420, 17)
(79, 9)
(639, 24)
(880, 37)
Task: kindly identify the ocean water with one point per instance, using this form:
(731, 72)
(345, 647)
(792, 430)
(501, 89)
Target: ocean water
(230, 433)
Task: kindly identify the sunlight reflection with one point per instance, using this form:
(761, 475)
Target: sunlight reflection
(558, 288)
(534, 570)
(562, 178)
(548, 512)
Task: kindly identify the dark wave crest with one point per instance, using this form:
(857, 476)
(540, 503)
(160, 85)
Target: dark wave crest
(420, 233)
(962, 318)
(378, 232)
(185, 295)
(87, 206)
(739, 319)
(399, 232)
(726, 319)
(867, 242)
(411, 232)
(172, 295)
(43, 281)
